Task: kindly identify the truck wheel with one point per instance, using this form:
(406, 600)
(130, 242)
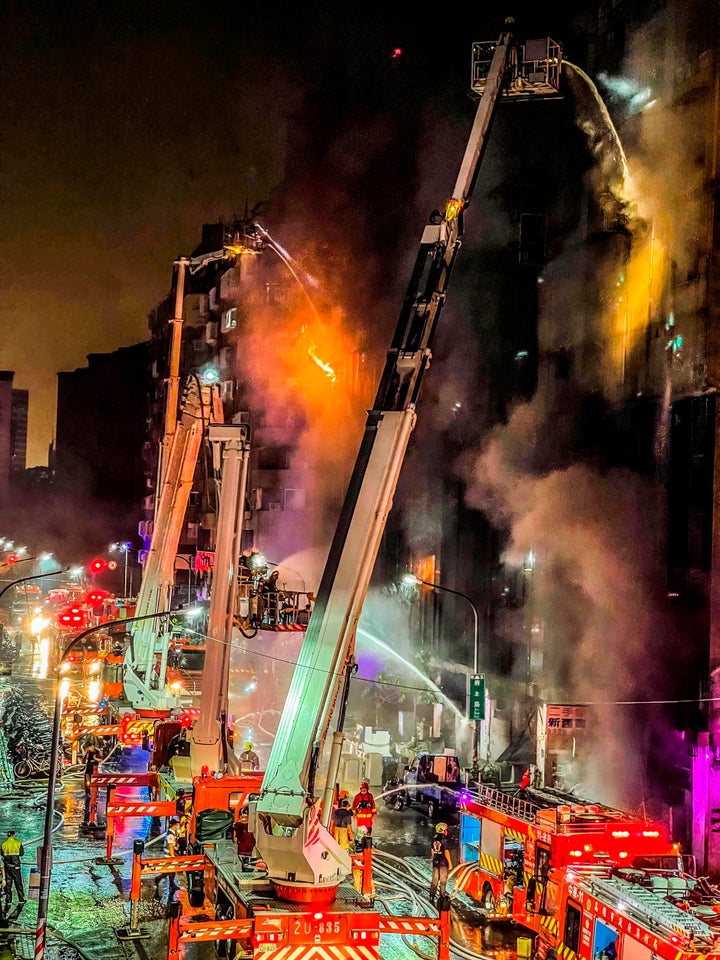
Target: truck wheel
(431, 810)
(225, 949)
(488, 899)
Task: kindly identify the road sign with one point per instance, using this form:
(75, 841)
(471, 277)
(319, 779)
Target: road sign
(476, 698)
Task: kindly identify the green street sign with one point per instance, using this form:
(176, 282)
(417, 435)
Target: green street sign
(476, 698)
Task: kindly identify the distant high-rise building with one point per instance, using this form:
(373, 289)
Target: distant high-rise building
(6, 407)
(18, 432)
(101, 413)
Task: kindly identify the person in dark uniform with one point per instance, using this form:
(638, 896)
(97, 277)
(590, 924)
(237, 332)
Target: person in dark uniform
(440, 860)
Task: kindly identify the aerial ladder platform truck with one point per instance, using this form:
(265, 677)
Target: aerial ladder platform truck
(301, 905)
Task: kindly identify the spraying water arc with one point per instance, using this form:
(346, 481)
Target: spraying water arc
(433, 687)
(607, 119)
(289, 263)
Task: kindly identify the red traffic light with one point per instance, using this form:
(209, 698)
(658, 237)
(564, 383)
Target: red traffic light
(112, 565)
(97, 565)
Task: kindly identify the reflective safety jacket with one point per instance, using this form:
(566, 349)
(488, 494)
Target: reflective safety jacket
(12, 850)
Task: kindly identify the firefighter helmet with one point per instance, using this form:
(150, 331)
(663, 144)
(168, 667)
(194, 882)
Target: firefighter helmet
(441, 828)
(248, 745)
(364, 785)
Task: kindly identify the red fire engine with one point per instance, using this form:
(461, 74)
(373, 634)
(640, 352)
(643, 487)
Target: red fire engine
(509, 842)
(301, 904)
(655, 913)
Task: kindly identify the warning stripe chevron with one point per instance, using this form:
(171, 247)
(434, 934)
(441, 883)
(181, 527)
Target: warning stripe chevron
(515, 834)
(566, 952)
(491, 864)
(306, 951)
(168, 864)
(134, 779)
(550, 924)
(404, 925)
(216, 930)
(284, 627)
(464, 876)
(165, 808)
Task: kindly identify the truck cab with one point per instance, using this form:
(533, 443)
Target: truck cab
(434, 780)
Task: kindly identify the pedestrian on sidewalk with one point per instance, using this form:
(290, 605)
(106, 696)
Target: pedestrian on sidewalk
(440, 860)
(12, 849)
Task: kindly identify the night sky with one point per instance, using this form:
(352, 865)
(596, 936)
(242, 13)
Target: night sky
(126, 126)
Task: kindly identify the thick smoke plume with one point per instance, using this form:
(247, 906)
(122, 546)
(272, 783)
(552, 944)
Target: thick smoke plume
(551, 476)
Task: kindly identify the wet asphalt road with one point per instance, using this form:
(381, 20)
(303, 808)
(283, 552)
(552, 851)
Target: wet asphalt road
(88, 902)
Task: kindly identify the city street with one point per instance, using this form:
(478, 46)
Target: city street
(89, 900)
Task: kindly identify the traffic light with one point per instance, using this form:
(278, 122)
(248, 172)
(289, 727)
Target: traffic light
(112, 565)
(97, 565)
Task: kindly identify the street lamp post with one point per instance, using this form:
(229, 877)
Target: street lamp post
(411, 578)
(46, 853)
(124, 547)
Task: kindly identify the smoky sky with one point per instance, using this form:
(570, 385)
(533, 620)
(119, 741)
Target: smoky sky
(126, 126)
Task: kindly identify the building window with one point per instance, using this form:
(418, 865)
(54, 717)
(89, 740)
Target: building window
(230, 319)
(274, 458)
(293, 499)
(192, 532)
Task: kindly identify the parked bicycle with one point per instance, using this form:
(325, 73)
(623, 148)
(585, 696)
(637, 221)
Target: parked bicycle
(35, 766)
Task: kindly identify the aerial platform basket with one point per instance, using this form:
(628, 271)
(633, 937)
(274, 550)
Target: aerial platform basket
(534, 69)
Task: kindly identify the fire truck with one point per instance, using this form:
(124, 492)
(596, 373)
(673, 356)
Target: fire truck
(509, 843)
(301, 903)
(650, 912)
(298, 901)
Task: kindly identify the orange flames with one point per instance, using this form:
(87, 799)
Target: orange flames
(311, 351)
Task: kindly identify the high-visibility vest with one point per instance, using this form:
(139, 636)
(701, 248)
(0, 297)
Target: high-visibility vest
(12, 848)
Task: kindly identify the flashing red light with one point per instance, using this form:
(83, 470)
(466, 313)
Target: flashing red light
(96, 598)
(72, 617)
(12, 558)
(97, 565)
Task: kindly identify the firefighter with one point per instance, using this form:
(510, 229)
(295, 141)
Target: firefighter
(342, 824)
(12, 849)
(244, 839)
(183, 804)
(249, 760)
(440, 860)
(364, 808)
(525, 781)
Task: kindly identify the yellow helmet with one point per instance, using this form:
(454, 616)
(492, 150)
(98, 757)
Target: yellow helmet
(248, 745)
(441, 828)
